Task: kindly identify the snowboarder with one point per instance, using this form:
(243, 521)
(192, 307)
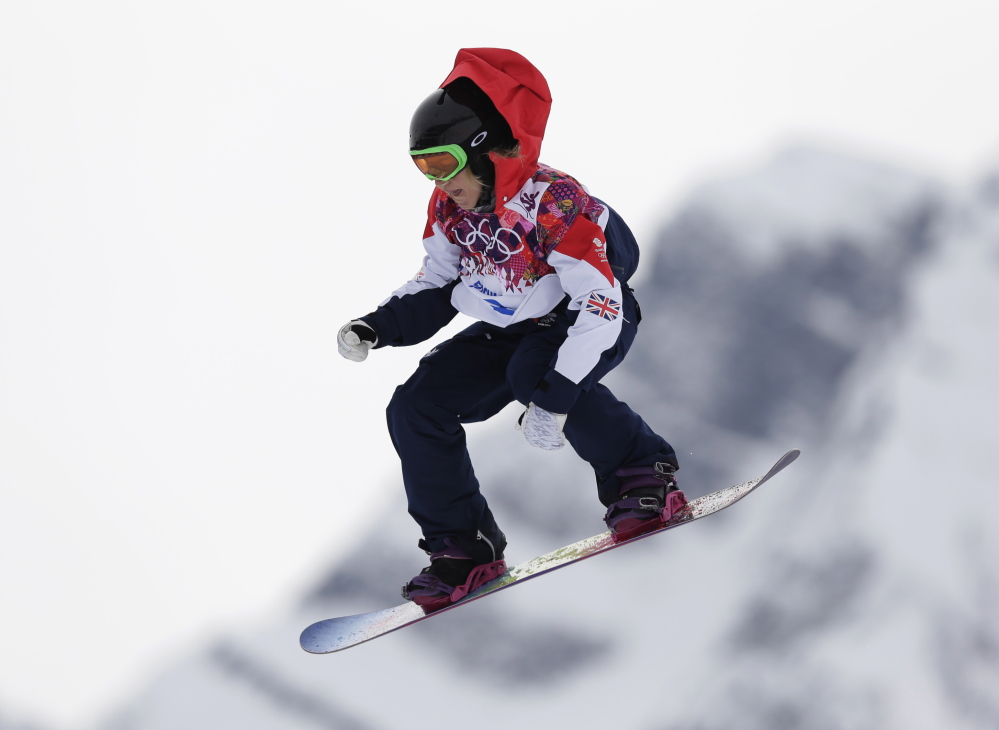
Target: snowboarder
(543, 266)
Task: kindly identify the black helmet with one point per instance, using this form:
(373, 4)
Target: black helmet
(461, 114)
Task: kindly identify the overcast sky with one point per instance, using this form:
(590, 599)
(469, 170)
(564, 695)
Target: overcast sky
(195, 196)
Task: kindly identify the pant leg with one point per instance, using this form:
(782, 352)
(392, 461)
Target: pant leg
(463, 380)
(603, 430)
(609, 435)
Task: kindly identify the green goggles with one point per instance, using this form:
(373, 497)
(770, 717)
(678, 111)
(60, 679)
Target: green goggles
(440, 163)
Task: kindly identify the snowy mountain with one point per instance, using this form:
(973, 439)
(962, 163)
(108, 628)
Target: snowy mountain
(822, 302)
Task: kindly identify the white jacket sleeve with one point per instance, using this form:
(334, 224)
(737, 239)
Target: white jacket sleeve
(580, 261)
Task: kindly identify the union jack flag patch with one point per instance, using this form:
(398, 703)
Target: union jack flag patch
(603, 306)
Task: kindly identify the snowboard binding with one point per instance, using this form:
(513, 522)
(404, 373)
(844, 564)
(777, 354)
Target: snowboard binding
(454, 572)
(649, 498)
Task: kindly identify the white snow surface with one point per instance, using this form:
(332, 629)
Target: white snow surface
(859, 589)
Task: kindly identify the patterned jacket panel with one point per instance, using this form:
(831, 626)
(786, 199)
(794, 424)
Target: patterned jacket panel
(520, 261)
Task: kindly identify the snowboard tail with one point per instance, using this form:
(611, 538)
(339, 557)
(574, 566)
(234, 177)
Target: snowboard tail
(336, 634)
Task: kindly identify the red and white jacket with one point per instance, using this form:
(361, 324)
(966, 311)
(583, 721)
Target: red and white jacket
(518, 263)
(544, 240)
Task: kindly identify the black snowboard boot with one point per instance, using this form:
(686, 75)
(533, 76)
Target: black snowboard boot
(463, 565)
(649, 496)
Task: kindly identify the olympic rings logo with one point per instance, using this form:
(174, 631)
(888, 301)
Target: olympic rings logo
(501, 245)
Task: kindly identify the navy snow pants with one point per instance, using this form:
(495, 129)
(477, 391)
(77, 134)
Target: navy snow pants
(473, 376)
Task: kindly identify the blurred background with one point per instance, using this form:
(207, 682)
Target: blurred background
(195, 196)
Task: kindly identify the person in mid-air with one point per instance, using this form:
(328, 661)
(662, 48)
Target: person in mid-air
(543, 266)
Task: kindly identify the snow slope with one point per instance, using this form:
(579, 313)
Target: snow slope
(823, 302)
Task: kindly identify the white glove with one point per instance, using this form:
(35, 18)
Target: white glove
(355, 339)
(542, 428)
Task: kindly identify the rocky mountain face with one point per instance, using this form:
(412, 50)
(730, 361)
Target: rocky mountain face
(821, 302)
(767, 290)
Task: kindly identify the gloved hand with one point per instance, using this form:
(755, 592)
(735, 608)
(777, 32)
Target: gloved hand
(542, 428)
(355, 339)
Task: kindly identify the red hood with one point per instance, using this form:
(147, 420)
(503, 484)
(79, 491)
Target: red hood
(521, 95)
